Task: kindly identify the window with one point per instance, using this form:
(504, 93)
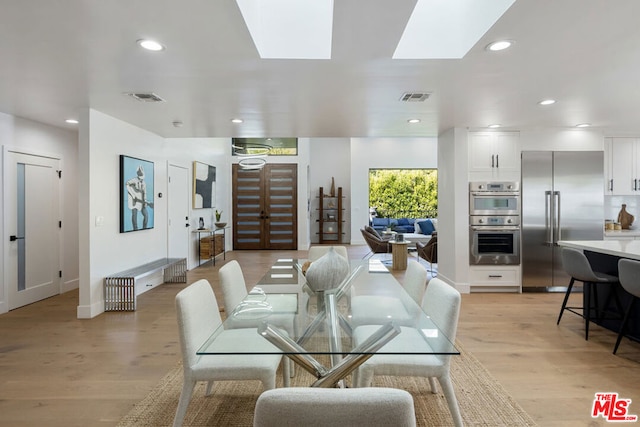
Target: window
(403, 193)
(265, 146)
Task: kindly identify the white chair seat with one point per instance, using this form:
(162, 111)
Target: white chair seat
(320, 407)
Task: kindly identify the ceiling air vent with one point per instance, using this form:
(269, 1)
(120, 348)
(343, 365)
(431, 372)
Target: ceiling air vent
(415, 96)
(146, 97)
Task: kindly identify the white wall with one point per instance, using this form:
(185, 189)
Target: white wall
(453, 209)
(331, 157)
(379, 153)
(38, 138)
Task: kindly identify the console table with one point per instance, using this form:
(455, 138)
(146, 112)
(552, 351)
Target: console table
(212, 244)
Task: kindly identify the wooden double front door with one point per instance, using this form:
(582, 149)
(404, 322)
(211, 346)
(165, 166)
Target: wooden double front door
(265, 207)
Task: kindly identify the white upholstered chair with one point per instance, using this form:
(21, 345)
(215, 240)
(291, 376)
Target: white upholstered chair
(198, 317)
(378, 309)
(319, 407)
(415, 281)
(315, 252)
(442, 303)
(234, 291)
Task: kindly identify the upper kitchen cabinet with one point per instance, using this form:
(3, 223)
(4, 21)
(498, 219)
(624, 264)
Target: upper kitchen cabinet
(622, 166)
(494, 155)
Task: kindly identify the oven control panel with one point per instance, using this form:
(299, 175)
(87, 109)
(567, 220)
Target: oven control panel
(494, 220)
(495, 186)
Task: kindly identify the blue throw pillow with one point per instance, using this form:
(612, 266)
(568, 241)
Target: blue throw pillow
(380, 221)
(426, 227)
(403, 221)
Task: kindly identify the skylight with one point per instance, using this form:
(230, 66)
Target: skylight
(289, 29)
(440, 29)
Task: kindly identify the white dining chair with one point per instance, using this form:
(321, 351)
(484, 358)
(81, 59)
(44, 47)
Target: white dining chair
(198, 317)
(234, 292)
(415, 281)
(379, 309)
(442, 303)
(315, 252)
(320, 407)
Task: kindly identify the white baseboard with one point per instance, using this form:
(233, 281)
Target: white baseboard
(90, 311)
(70, 285)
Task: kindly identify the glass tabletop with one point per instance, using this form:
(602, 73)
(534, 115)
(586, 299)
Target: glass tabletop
(370, 305)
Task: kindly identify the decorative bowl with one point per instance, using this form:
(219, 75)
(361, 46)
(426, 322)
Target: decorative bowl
(220, 224)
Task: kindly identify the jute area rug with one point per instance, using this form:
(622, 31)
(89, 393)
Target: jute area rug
(482, 400)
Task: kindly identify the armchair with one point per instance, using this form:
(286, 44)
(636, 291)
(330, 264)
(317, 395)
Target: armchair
(375, 243)
(429, 251)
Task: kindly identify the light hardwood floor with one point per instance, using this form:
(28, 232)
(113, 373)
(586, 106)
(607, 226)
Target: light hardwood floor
(56, 370)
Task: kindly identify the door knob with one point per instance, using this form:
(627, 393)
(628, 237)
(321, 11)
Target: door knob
(14, 238)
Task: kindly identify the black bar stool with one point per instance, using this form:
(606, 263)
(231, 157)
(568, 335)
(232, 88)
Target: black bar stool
(576, 264)
(629, 271)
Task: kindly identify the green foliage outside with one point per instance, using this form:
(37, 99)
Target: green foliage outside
(404, 193)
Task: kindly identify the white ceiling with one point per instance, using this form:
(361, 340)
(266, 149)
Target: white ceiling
(58, 57)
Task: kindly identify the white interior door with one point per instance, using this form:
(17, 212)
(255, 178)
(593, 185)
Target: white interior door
(178, 244)
(32, 230)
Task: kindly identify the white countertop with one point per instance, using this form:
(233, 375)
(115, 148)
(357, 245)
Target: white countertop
(622, 233)
(621, 248)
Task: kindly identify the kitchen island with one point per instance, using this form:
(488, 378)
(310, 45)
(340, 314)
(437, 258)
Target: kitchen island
(603, 256)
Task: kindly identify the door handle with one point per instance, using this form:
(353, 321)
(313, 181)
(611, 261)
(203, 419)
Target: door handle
(548, 223)
(14, 238)
(558, 227)
(186, 225)
(611, 184)
(497, 160)
(492, 159)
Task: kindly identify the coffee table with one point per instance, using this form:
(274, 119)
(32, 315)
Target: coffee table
(399, 251)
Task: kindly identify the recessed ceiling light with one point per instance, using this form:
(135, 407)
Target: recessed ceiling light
(236, 120)
(494, 126)
(150, 45)
(72, 121)
(499, 45)
(583, 125)
(413, 121)
(547, 102)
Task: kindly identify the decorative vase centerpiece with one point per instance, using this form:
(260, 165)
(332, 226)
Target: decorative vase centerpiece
(218, 217)
(625, 218)
(327, 272)
(333, 188)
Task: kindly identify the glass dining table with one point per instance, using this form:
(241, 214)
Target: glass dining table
(303, 324)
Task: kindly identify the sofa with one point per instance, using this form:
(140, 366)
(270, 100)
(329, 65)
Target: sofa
(414, 229)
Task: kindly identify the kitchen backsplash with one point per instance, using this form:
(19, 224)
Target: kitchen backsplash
(613, 204)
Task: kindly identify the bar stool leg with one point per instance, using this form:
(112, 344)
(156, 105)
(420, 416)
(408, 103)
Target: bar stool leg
(624, 324)
(587, 309)
(566, 298)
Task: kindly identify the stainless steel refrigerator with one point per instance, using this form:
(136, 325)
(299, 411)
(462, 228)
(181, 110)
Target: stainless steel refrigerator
(562, 199)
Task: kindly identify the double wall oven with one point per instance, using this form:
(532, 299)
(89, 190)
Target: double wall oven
(494, 223)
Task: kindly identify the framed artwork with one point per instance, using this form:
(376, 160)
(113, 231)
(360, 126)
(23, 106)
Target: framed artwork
(204, 185)
(136, 194)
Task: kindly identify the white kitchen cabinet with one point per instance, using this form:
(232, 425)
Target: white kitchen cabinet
(491, 278)
(494, 153)
(622, 166)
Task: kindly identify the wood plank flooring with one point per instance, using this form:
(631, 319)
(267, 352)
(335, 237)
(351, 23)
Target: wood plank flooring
(57, 370)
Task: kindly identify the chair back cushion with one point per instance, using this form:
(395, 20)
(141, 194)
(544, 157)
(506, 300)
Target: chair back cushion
(415, 281)
(442, 302)
(629, 273)
(373, 231)
(198, 316)
(234, 287)
(315, 407)
(576, 265)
